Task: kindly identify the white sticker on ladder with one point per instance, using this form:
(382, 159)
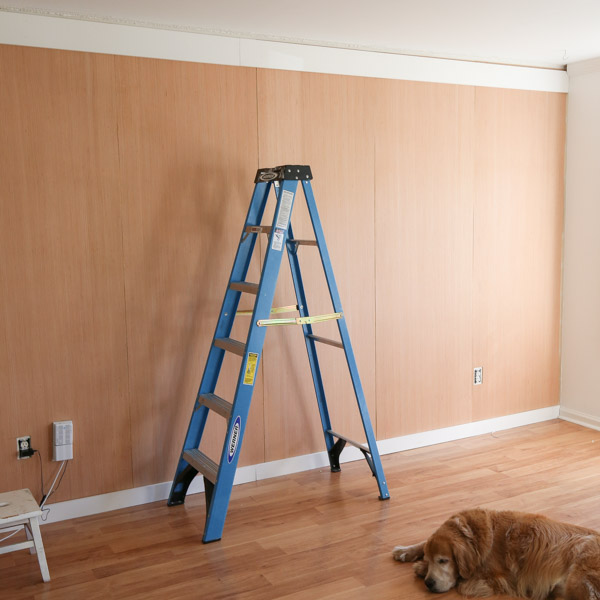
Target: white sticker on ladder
(285, 208)
(277, 243)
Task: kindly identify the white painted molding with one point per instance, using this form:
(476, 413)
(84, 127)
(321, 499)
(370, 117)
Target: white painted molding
(104, 38)
(580, 418)
(296, 57)
(112, 38)
(584, 67)
(458, 432)
(82, 507)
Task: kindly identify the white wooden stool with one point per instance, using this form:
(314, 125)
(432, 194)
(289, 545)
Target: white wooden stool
(20, 510)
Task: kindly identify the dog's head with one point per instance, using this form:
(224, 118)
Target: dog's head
(456, 549)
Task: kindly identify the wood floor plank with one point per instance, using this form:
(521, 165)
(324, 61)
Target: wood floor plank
(315, 534)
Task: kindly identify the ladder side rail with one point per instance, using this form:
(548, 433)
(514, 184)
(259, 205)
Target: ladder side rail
(313, 359)
(215, 518)
(239, 272)
(343, 329)
(214, 361)
(364, 411)
(321, 244)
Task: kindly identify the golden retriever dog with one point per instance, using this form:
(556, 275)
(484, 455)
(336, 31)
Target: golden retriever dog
(484, 552)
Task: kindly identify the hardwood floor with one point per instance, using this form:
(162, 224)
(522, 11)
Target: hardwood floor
(315, 535)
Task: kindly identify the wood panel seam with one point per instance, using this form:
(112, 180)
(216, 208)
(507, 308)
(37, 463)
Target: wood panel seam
(124, 273)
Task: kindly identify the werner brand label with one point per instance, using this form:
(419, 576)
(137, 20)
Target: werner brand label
(234, 439)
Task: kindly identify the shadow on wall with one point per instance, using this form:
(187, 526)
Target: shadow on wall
(179, 256)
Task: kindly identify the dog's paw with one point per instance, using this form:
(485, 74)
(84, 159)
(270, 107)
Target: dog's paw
(421, 568)
(408, 553)
(405, 553)
(399, 553)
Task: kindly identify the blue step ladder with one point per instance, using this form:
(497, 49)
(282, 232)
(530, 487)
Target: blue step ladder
(218, 479)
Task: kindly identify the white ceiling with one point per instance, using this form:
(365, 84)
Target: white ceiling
(548, 33)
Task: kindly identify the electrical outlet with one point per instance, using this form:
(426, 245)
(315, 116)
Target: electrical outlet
(477, 375)
(24, 447)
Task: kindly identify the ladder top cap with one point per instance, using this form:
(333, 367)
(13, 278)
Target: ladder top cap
(283, 172)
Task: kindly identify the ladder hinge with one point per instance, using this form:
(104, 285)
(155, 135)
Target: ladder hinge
(299, 320)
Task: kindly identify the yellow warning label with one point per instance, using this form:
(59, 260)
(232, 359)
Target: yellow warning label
(250, 371)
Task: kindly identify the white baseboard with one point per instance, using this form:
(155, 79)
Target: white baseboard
(579, 418)
(82, 507)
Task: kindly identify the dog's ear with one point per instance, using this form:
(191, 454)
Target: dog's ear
(463, 526)
(465, 556)
(472, 540)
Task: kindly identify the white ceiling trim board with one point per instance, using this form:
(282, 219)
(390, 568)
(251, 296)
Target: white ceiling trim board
(108, 38)
(295, 57)
(254, 35)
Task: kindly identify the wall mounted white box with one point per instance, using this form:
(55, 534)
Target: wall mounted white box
(63, 440)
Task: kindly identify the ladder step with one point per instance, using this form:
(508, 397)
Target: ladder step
(349, 441)
(231, 345)
(303, 242)
(258, 229)
(327, 341)
(216, 403)
(243, 286)
(202, 464)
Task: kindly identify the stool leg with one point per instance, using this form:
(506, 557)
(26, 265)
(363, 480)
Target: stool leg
(39, 547)
(29, 537)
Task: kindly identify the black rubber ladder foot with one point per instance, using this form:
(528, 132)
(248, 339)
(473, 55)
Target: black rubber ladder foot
(181, 486)
(334, 455)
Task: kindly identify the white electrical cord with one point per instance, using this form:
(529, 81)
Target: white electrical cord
(64, 462)
(11, 534)
(60, 469)
(45, 498)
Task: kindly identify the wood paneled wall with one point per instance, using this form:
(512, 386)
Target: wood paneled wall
(325, 121)
(123, 187)
(187, 148)
(424, 256)
(518, 224)
(63, 315)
